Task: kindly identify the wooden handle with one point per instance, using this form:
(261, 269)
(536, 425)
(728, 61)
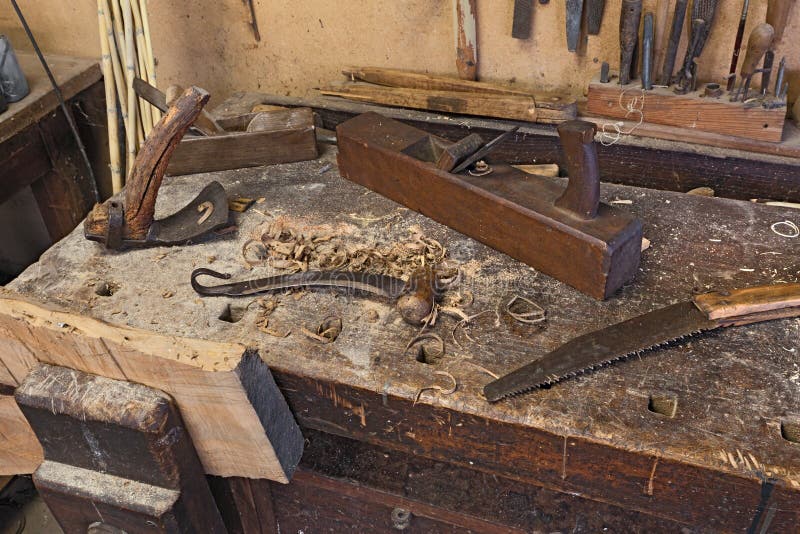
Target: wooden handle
(582, 196)
(151, 162)
(594, 15)
(417, 302)
(628, 37)
(778, 15)
(757, 45)
(752, 300)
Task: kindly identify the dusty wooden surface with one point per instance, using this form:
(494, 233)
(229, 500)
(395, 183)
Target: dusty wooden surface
(73, 75)
(594, 436)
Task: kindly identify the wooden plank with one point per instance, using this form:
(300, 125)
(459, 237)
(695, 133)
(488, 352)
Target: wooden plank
(284, 137)
(20, 452)
(691, 111)
(73, 76)
(238, 421)
(653, 163)
(521, 108)
(548, 105)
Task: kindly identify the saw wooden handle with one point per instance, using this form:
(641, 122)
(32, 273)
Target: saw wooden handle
(778, 15)
(761, 300)
(757, 45)
(151, 162)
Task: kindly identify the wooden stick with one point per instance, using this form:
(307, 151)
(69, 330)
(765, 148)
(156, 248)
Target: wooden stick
(111, 101)
(151, 64)
(141, 51)
(119, 31)
(119, 76)
(466, 39)
(130, 69)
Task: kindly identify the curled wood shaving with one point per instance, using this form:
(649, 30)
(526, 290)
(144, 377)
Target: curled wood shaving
(327, 331)
(536, 314)
(257, 245)
(436, 387)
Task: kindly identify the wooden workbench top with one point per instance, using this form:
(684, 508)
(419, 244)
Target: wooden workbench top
(594, 435)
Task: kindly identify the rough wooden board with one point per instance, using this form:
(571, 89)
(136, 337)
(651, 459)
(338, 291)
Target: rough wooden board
(733, 386)
(661, 105)
(73, 76)
(638, 161)
(239, 427)
(20, 452)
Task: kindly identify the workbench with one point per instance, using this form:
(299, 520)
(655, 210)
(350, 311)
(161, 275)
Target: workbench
(382, 433)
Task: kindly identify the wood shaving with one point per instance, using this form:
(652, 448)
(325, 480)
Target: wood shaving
(422, 354)
(535, 314)
(327, 331)
(436, 387)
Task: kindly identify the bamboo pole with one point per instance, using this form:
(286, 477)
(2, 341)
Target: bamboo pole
(111, 100)
(151, 63)
(118, 30)
(144, 107)
(130, 68)
(119, 77)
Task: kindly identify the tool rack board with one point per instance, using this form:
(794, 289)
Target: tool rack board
(588, 440)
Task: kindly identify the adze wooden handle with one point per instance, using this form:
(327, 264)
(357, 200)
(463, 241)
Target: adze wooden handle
(149, 167)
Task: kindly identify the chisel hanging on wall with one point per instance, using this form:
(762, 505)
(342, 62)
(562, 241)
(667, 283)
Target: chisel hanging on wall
(594, 15)
(672, 45)
(521, 25)
(574, 12)
(628, 37)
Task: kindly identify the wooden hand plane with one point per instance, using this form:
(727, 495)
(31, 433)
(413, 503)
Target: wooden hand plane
(133, 224)
(566, 233)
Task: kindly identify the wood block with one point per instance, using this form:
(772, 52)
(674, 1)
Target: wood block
(691, 111)
(287, 138)
(117, 453)
(237, 417)
(509, 210)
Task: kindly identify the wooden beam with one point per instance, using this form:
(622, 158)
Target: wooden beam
(232, 408)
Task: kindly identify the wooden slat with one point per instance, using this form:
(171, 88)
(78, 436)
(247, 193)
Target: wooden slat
(239, 422)
(20, 452)
(514, 107)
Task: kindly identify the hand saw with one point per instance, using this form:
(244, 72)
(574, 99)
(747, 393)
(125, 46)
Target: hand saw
(601, 347)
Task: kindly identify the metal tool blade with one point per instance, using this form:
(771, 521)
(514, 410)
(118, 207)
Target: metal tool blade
(188, 223)
(601, 347)
(484, 150)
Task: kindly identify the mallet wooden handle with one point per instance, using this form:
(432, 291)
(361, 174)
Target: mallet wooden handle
(582, 196)
(778, 15)
(757, 45)
(752, 300)
(151, 162)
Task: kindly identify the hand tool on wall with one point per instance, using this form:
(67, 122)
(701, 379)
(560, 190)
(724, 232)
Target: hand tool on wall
(617, 342)
(251, 9)
(573, 18)
(563, 232)
(778, 13)
(414, 299)
(757, 45)
(766, 70)
(133, 224)
(522, 22)
(661, 17)
(703, 12)
(647, 52)
(464, 17)
(737, 45)
(672, 44)
(630, 16)
(594, 15)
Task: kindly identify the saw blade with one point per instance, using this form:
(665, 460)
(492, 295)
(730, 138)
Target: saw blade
(601, 347)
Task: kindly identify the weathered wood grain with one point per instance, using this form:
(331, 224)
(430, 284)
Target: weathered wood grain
(521, 108)
(238, 421)
(20, 452)
(691, 111)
